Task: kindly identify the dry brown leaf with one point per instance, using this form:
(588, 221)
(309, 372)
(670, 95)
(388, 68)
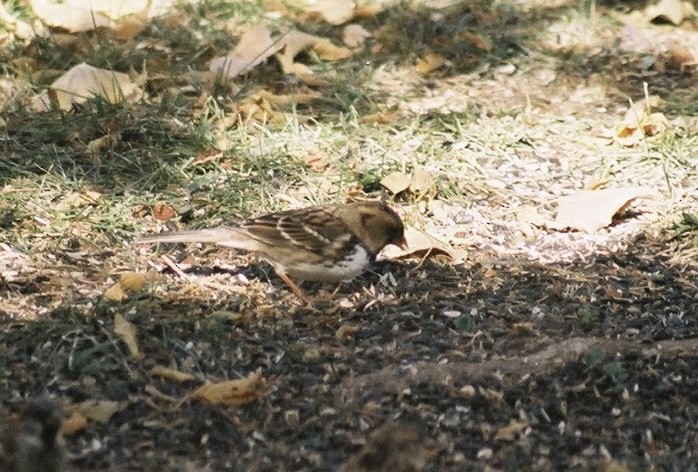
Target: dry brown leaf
(163, 212)
(396, 182)
(476, 40)
(329, 52)
(100, 411)
(293, 43)
(354, 35)
(74, 424)
(335, 12)
(96, 146)
(129, 27)
(422, 244)
(115, 293)
(73, 16)
(381, 118)
(292, 99)
(132, 281)
(681, 57)
(347, 331)
(591, 210)
(421, 181)
(255, 47)
(430, 63)
(231, 392)
(128, 334)
(84, 81)
(171, 374)
(510, 431)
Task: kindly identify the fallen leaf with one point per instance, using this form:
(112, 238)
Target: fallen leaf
(255, 47)
(74, 424)
(476, 40)
(128, 334)
(132, 281)
(329, 52)
(96, 146)
(421, 181)
(115, 293)
(335, 12)
(430, 63)
(171, 374)
(237, 392)
(85, 81)
(381, 118)
(129, 27)
(163, 212)
(591, 210)
(680, 57)
(354, 35)
(293, 43)
(346, 331)
(421, 244)
(510, 431)
(100, 411)
(72, 16)
(292, 99)
(396, 182)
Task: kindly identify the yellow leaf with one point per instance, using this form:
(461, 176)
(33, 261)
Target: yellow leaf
(132, 281)
(98, 410)
(115, 293)
(75, 423)
(430, 63)
(231, 392)
(171, 374)
(329, 52)
(591, 210)
(128, 334)
(396, 182)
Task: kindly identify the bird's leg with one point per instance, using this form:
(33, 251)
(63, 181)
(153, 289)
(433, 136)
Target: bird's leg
(295, 288)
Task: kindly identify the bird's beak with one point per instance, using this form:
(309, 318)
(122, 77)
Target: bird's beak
(401, 242)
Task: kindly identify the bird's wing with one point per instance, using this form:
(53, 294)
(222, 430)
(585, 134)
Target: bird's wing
(314, 229)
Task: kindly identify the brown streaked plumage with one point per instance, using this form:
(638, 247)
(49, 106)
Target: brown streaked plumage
(323, 243)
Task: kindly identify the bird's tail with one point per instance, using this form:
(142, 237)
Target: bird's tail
(224, 236)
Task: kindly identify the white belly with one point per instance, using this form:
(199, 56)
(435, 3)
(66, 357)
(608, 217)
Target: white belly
(348, 268)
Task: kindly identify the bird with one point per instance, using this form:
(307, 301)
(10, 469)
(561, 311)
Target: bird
(329, 243)
(30, 441)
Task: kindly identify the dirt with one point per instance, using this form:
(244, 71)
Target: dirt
(543, 350)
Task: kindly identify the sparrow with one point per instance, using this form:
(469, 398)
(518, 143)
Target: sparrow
(329, 243)
(30, 441)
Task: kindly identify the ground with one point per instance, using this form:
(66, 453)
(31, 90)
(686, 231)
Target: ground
(515, 346)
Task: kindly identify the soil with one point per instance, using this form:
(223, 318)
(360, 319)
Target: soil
(543, 350)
